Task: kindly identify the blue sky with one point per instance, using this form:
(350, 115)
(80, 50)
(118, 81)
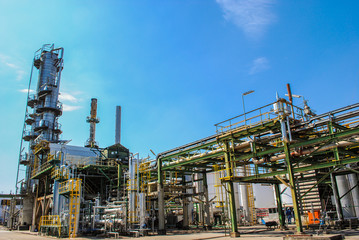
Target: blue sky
(175, 67)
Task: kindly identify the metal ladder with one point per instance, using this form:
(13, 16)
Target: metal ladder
(72, 188)
(220, 200)
(251, 204)
(74, 208)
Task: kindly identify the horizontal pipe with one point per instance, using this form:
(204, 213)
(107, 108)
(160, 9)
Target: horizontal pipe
(309, 151)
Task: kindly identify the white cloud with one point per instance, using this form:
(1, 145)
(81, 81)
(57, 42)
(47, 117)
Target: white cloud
(68, 108)
(252, 16)
(7, 61)
(68, 97)
(259, 65)
(25, 90)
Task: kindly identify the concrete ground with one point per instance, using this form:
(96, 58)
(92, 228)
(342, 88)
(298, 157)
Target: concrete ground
(256, 233)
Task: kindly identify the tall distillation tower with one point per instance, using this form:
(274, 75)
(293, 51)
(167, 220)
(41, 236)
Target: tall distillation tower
(42, 110)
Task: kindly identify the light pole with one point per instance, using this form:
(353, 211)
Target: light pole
(296, 96)
(244, 109)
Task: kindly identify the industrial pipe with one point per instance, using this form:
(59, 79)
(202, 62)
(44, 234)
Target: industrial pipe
(308, 151)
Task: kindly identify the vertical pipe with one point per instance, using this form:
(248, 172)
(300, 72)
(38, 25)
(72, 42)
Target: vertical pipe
(118, 125)
(338, 205)
(161, 201)
(132, 200)
(244, 111)
(279, 206)
(207, 217)
(289, 94)
(119, 178)
(232, 200)
(289, 131)
(290, 99)
(338, 201)
(284, 130)
(244, 197)
(185, 204)
(34, 212)
(298, 220)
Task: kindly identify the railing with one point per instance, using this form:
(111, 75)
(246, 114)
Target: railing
(45, 47)
(40, 169)
(57, 126)
(242, 171)
(72, 185)
(51, 221)
(52, 104)
(41, 145)
(107, 162)
(60, 173)
(260, 116)
(32, 99)
(30, 133)
(47, 87)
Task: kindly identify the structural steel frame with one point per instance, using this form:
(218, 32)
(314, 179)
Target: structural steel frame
(315, 142)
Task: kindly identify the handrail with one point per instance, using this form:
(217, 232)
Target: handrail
(259, 116)
(51, 221)
(72, 185)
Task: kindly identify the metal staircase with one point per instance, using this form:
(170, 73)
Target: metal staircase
(308, 191)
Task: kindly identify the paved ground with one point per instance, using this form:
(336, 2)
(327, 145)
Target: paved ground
(246, 233)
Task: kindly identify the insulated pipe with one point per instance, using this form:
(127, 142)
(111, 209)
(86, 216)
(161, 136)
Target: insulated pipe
(309, 151)
(132, 207)
(319, 118)
(244, 145)
(236, 147)
(244, 200)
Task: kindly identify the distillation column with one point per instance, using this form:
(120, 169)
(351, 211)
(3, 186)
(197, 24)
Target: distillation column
(93, 120)
(42, 122)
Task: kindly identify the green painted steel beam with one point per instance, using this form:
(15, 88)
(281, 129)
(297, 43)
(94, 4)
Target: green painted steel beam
(183, 152)
(225, 136)
(183, 163)
(296, 170)
(302, 144)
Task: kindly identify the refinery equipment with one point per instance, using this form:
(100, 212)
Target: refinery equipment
(93, 120)
(279, 143)
(41, 121)
(74, 190)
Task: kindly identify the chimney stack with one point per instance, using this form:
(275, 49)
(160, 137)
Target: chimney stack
(118, 125)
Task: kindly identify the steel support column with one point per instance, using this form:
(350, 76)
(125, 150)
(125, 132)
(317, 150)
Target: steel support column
(279, 206)
(119, 178)
(161, 201)
(207, 217)
(338, 205)
(232, 200)
(298, 220)
(185, 204)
